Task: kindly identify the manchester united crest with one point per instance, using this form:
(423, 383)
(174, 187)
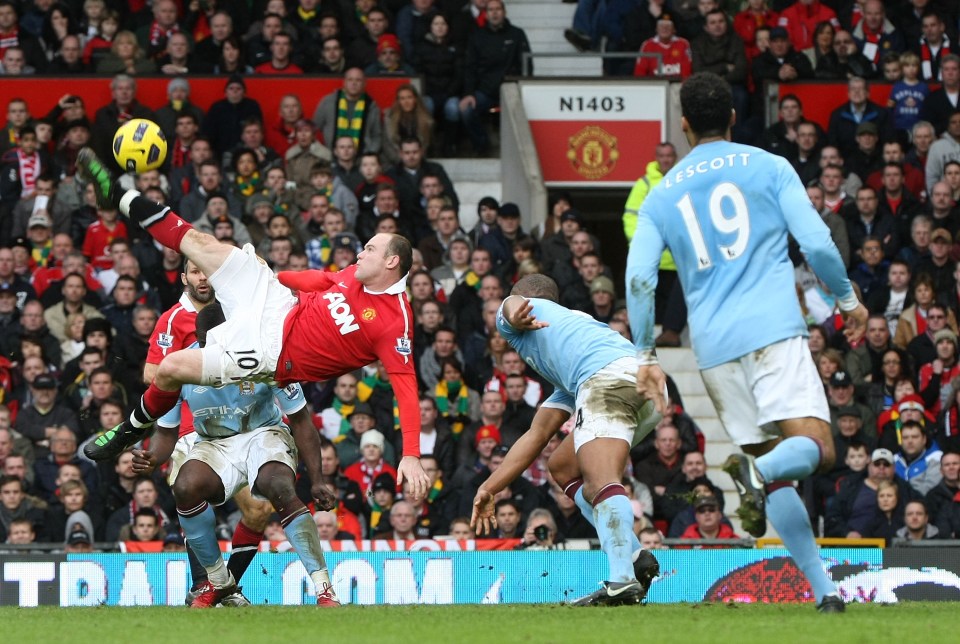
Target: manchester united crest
(368, 315)
(593, 152)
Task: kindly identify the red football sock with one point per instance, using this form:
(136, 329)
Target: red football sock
(156, 402)
(170, 230)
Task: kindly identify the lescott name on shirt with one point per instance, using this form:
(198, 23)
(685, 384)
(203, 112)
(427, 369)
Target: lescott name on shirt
(735, 160)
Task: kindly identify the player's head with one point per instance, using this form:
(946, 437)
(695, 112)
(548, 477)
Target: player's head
(207, 318)
(537, 285)
(385, 253)
(706, 103)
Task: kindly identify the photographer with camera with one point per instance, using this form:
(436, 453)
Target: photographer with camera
(541, 532)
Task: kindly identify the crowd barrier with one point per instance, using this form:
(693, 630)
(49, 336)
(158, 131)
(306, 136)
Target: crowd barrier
(484, 577)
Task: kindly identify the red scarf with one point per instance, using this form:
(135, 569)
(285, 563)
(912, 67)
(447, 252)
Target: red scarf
(159, 35)
(926, 57)
(873, 38)
(9, 40)
(181, 155)
(921, 323)
(370, 473)
(856, 15)
(29, 170)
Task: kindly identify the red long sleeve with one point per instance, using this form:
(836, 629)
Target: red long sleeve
(306, 280)
(408, 400)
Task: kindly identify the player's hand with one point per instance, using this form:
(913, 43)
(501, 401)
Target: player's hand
(324, 498)
(522, 318)
(482, 519)
(855, 323)
(652, 385)
(143, 462)
(417, 482)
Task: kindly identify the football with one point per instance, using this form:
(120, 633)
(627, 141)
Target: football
(139, 145)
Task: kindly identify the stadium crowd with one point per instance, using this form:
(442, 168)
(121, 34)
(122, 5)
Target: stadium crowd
(82, 290)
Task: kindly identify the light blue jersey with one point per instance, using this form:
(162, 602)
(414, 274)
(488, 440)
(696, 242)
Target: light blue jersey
(570, 350)
(724, 211)
(221, 412)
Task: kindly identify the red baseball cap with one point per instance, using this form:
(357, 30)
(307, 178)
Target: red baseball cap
(388, 41)
(487, 431)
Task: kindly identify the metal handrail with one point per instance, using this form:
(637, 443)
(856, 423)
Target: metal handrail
(528, 56)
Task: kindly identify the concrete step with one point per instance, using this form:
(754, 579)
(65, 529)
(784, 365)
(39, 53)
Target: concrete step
(470, 193)
(689, 383)
(712, 430)
(698, 405)
(470, 170)
(681, 359)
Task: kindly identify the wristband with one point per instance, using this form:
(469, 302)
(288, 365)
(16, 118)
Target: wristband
(848, 303)
(647, 357)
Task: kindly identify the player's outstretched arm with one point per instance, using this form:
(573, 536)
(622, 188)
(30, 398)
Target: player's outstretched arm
(409, 470)
(162, 443)
(518, 312)
(307, 438)
(546, 423)
(643, 262)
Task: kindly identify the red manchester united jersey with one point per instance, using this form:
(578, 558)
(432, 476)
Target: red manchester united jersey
(338, 326)
(176, 329)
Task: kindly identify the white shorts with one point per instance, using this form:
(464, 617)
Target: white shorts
(255, 303)
(179, 456)
(778, 382)
(608, 406)
(237, 460)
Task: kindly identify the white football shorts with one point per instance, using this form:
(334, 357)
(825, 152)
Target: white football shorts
(608, 406)
(777, 382)
(179, 456)
(255, 303)
(237, 459)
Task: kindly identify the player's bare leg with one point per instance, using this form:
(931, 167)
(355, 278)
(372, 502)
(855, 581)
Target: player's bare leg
(806, 448)
(196, 486)
(601, 462)
(275, 481)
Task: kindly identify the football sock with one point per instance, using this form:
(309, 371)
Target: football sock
(199, 525)
(162, 223)
(789, 518)
(793, 459)
(245, 544)
(613, 517)
(154, 404)
(587, 510)
(198, 573)
(302, 534)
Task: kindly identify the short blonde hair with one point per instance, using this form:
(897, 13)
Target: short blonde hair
(909, 58)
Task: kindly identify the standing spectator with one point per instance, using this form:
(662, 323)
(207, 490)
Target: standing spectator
(876, 35)
(932, 47)
(781, 62)
(944, 102)
(222, 125)
(494, 52)
(801, 19)
(350, 111)
(675, 58)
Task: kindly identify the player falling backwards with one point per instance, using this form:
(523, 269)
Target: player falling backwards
(338, 322)
(598, 383)
(725, 211)
(242, 443)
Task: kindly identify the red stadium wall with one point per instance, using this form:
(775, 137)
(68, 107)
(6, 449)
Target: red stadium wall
(42, 93)
(820, 99)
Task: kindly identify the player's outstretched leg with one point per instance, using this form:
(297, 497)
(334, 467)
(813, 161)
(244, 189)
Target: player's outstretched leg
(275, 481)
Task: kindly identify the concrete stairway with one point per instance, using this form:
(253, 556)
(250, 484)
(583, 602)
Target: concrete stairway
(473, 180)
(544, 22)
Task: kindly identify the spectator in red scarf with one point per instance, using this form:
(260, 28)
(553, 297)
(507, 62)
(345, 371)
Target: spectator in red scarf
(145, 496)
(371, 463)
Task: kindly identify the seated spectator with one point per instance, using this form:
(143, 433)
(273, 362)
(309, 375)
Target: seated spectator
(913, 320)
(402, 523)
(821, 51)
(126, 57)
(917, 526)
(662, 467)
(541, 532)
(14, 504)
(389, 60)
(281, 57)
(934, 379)
(675, 57)
(887, 516)
(939, 106)
(908, 94)
(944, 492)
(39, 420)
(840, 395)
(677, 494)
(145, 500)
(865, 159)
(371, 463)
(362, 420)
(945, 149)
(709, 521)
(853, 510)
(327, 527)
(915, 462)
(876, 35)
(846, 119)
(63, 450)
(439, 59)
(509, 520)
(871, 273)
(408, 118)
(223, 123)
(145, 527)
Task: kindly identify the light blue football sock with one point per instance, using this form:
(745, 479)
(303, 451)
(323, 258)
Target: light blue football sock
(789, 517)
(613, 518)
(793, 459)
(587, 510)
(200, 532)
(302, 535)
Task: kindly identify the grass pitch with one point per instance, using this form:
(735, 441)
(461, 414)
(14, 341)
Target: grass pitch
(658, 624)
